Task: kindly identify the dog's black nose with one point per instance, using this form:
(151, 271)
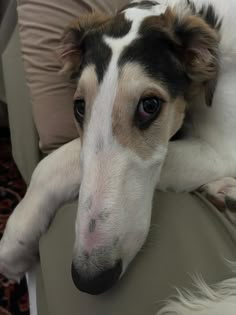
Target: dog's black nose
(98, 284)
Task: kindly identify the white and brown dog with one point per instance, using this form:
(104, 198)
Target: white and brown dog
(145, 74)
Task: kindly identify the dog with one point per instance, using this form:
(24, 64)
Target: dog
(155, 108)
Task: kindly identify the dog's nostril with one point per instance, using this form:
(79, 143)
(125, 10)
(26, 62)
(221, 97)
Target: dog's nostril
(99, 283)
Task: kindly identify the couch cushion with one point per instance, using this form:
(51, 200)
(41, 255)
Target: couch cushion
(188, 236)
(41, 24)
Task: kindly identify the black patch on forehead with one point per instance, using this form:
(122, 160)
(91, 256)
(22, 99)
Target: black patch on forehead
(156, 53)
(96, 52)
(140, 5)
(118, 27)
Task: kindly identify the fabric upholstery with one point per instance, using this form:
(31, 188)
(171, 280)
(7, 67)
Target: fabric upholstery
(188, 236)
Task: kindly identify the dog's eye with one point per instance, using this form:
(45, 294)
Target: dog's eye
(79, 109)
(147, 111)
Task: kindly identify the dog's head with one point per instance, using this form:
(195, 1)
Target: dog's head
(135, 72)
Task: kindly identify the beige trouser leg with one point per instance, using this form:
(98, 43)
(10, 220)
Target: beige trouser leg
(41, 24)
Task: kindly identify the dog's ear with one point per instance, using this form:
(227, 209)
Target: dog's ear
(71, 52)
(199, 49)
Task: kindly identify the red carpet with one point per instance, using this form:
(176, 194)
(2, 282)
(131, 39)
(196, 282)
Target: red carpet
(13, 297)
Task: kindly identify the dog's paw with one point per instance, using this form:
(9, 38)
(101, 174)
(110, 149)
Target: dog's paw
(222, 193)
(15, 259)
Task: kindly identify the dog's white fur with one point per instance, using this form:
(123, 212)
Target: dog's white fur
(206, 155)
(221, 298)
(218, 300)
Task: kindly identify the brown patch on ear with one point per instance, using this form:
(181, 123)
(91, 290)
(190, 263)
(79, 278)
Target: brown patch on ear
(70, 51)
(196, 45)
(199, 46)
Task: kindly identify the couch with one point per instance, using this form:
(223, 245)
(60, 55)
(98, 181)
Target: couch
(188, 235)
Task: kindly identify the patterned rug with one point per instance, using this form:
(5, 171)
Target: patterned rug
(13, 297)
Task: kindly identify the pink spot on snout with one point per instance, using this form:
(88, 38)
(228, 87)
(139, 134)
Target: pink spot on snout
(92, 241)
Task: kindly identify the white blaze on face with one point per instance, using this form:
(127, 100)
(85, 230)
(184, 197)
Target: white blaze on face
(116, 183)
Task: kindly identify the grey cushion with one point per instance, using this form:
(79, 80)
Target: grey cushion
(188, 236)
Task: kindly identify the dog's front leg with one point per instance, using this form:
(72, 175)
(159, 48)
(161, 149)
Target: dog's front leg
(191, 163)
(55, 181)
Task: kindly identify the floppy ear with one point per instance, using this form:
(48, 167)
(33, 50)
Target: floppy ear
(199, 50)
(71, 52)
